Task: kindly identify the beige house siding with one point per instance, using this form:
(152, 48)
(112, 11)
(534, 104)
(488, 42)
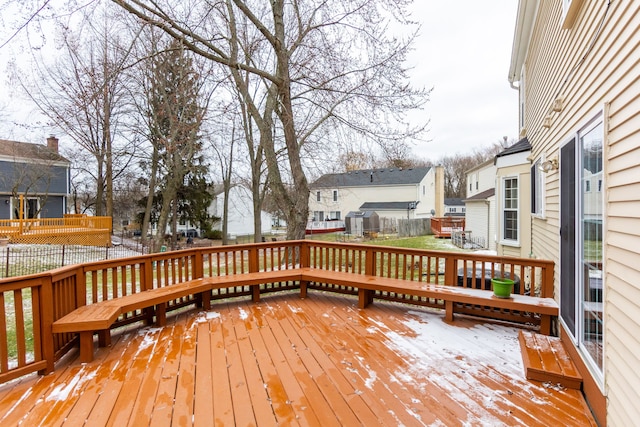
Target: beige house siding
(351, 198)
(523, 249)
(595, 72)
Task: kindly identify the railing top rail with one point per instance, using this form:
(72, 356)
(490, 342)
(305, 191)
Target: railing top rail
(434, 252)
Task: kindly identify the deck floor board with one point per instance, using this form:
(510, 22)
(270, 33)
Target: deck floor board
(289, 361)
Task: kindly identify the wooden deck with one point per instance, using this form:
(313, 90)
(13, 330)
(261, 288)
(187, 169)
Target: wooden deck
(317, 361)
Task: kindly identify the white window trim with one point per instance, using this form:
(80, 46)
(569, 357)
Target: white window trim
(543, 189)
(504, 241)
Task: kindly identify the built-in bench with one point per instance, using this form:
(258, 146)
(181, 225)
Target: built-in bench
(547, 308)
(99, 317)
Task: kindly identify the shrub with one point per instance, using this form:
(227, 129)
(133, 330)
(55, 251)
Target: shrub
(213, 235)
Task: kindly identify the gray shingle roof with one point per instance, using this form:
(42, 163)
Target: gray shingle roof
(368, 177)
(518, 147)
(453, 202)
(482, 196)
(372, 206)
(28, 150)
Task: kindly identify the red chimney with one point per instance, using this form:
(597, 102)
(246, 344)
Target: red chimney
(52, 143)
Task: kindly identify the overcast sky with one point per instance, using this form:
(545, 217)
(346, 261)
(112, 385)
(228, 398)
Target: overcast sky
(464, 53)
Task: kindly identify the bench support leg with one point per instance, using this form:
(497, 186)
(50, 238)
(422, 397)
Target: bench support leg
(545, 324)
(448, 313)
(206, 300)
(365, 297)
(149, 313)
(255, 293)
(86, 346)
(303, 288)
(104, 338)
(161, 314)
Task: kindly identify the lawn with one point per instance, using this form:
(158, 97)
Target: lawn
(419, 242)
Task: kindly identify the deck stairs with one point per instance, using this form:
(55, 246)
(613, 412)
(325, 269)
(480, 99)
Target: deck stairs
(545, 359)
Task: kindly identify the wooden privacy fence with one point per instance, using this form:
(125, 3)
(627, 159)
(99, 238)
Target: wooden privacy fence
(30, 304)
(414, 227)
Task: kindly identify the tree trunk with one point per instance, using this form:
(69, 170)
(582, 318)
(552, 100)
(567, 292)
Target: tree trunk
(152, 192)
(298, 212)
(99, 185)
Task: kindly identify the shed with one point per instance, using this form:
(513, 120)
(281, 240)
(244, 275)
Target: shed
(362, 223)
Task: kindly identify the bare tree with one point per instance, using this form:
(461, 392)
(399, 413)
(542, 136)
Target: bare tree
(81, 93)
(457, 165)
(315, 66)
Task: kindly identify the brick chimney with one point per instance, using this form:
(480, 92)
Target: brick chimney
(52, 143)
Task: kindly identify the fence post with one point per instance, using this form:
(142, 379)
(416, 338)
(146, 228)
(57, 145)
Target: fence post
(46, 323)
(370, 262)
(6, 274)
(197, 267)
(450, 273)
(547, 276)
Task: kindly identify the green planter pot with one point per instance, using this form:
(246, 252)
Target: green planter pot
(502, 287)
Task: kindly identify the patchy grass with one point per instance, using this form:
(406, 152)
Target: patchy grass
(419, 242)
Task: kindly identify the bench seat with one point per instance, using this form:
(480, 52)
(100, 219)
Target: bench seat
(99, 317)
(367, 285)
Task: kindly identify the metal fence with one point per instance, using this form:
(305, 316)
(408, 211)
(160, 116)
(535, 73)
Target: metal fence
(20, 260)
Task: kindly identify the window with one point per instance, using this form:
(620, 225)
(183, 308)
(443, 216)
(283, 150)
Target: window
(31, 208)
(334, 215)
(510, 209)
(582, 263)
(335, 195)
(318, 215)
(592, 260)
(317, 196)
(537, 189)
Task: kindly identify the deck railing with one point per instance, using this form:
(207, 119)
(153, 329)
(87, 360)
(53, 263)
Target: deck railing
(444, 226)
(72, 229)
(30, 304)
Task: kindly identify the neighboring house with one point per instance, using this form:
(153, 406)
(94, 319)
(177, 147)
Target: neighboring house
(391, 193)
(575, 64)
(513, 200)
(36, 172)
(480, 209)
(481, 178)
(480, 224)
(240, 215)
(454, 207)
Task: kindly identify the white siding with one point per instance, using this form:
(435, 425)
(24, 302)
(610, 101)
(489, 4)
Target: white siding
(480, 221)
(240, 213)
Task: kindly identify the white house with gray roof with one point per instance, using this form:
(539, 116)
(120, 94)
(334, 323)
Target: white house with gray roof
(391, 193)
